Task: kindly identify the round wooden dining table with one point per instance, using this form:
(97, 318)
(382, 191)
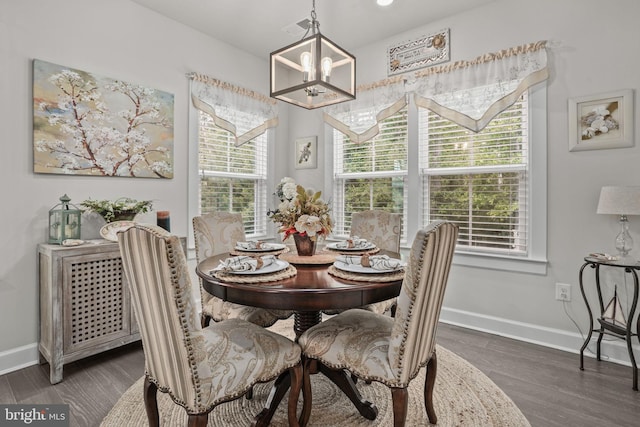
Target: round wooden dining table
(308, 293)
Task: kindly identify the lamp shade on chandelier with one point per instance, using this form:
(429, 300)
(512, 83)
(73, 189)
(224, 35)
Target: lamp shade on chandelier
(314, 72)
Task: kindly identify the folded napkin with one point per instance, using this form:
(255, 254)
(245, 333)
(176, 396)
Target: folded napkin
(246, 263)
(377, 262)
(251, 245)
(354, 242)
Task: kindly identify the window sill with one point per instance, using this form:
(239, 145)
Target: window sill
(504, 263)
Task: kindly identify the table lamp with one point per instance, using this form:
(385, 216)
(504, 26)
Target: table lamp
(621, 201)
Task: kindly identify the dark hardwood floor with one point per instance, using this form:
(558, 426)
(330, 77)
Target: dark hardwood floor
(546, 384)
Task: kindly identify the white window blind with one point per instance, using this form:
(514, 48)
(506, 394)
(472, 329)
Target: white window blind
(371, 174)
(233, 178)
(479, 180)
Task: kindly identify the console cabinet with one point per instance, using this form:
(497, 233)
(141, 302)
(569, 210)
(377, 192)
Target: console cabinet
(85, 307)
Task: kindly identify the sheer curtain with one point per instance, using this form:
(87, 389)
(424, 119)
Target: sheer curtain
(469, 93)
(472, 93)
(359, 119)
(225, 103)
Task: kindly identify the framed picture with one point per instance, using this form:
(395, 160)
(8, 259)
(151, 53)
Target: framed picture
(88, 124)
(601, 121)
(306, 155)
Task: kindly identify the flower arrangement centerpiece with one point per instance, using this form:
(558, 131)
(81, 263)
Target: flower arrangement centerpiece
(301, 213)
(118, 210)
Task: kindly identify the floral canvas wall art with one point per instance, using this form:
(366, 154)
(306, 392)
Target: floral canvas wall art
(86, 124)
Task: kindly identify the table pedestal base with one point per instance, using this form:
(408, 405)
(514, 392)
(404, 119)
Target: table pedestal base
(303, 321)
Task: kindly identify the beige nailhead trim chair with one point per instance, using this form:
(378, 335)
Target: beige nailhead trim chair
(391, 350)
(198, 367)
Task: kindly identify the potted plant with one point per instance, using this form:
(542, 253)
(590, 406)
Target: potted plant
(301, 213)
(121, 209)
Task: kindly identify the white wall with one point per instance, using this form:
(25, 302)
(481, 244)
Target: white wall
(592, 51)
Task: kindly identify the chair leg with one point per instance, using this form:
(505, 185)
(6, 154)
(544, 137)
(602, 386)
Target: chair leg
(198, 420)
(150, 393)
(306, 392)
(294, 392)
(400, 397)
(429, 383)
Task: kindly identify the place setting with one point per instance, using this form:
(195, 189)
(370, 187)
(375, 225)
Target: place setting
(253, 269)
(368, 267)
(259, 247)
(353, 246)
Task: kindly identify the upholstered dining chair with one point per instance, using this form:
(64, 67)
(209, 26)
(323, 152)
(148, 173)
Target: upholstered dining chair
(384, 230)
(375, 347)
(198, 367)
(216, 233)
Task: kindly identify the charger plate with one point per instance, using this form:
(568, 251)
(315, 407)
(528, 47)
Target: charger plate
(367, 277)
(225, 276)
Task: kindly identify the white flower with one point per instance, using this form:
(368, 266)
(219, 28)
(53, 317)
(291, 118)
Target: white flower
(309, 224)
(287, 180)
(289, 190)
(284, 206)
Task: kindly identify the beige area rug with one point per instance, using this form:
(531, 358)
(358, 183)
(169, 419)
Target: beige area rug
(463, 396)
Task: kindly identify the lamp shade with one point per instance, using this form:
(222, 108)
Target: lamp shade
(619, 200)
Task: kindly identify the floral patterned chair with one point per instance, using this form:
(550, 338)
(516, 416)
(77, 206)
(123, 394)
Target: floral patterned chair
(216, 233)
(199, 367)
(375, 347)
(384, 229)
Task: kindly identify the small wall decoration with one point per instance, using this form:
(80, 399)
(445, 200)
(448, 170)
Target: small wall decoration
(419, 53)
(306, 155)
(85, 124)
(601, 121)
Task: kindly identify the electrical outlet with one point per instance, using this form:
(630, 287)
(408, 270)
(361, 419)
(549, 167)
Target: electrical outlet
(563, 292)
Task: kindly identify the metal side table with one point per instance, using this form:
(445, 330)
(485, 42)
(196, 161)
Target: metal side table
(606, 326)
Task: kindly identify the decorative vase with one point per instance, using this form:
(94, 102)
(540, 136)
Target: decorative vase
(304, 245)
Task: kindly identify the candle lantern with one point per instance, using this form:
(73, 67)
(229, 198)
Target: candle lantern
(64, 221)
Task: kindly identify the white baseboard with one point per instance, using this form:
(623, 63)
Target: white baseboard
(18, 358)
(612, 349)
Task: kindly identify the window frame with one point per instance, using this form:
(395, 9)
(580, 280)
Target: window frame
(193, 180)
(535, 261)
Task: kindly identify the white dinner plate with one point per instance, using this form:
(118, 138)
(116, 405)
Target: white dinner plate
(109, 230)
(276, 266)
(357, 268)
(266, 247)
(335, 247)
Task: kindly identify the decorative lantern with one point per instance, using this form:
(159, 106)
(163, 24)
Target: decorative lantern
(64, 221)
(314, 72)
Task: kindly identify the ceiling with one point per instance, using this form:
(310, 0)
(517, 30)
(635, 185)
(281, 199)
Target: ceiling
(258, 26)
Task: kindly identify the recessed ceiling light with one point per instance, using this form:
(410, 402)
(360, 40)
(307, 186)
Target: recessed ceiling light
(384, 2)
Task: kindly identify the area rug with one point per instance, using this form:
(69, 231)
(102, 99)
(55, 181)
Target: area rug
(463, 397)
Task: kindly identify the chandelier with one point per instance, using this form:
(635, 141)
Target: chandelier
(314, 72)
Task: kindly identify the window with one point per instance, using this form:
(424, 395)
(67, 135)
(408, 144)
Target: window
(232, 178)
(372, 174)
(478, 180)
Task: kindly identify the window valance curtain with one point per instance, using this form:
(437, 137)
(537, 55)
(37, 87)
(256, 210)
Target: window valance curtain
(224, 102)
(469, 93)
(472, 93)
(359, 119)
